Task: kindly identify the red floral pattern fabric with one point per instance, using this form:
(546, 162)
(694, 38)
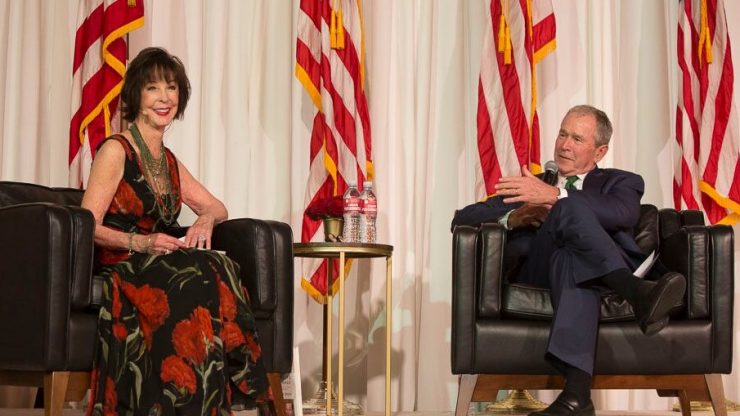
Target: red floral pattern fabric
(176, 333)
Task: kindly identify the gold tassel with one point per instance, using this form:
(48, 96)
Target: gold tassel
(340, 30)
(333, 30)
(705, 38)
(501, 32)
(507, 51)
(504, 34)
(131, 3)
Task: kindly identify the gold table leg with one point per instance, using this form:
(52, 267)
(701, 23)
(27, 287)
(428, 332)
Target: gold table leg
(329, 301)
(340, 397)
(388, 334)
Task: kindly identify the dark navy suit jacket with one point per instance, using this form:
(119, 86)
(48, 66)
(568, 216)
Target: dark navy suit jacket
(612, 194)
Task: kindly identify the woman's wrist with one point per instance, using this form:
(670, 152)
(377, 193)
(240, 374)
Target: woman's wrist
(139, 243)
(130, 247)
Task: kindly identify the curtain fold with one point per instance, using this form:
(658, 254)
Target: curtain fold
(246, 131)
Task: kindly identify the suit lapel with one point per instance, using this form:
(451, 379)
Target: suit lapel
(594, 180)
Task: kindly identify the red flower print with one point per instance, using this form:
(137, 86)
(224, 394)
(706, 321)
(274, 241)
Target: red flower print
(175, 370)
(232, 336)
(202, 317)
(145, 223)
(244, 387)
(93, 391)
(106, 256)
(111, 398)
(125, 201)
(120, 331)
(254, 347)
(228, 304)
(188, 341)
(152, 305)
(116, 309)
(191, 336)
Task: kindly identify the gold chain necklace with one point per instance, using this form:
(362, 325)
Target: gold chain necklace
(158, 176)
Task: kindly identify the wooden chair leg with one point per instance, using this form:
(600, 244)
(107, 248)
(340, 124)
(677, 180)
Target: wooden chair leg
(465, 393)
(55, 388)
(684, 402)
(277, 392)
(716, 393)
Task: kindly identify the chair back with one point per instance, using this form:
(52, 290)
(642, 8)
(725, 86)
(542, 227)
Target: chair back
(14, 193)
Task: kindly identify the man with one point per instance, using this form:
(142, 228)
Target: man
(581, 230)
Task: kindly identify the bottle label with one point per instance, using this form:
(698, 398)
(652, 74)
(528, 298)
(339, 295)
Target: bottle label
(370, 206)
(352, 204)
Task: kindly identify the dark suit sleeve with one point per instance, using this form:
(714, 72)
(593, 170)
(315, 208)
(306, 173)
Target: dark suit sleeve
(616, 202)
(489, 210)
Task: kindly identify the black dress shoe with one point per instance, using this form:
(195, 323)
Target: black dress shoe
(567, 405)
(655, 300)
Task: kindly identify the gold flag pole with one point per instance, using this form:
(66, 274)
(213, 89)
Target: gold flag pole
(700, 406)
(518, 401)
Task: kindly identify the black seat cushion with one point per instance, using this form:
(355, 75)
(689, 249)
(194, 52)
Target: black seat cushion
(531, 302)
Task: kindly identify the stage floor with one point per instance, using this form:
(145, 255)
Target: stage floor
(73, 412)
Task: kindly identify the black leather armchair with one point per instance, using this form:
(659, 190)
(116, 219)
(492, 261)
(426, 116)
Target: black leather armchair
(500, 330)
(49, 299)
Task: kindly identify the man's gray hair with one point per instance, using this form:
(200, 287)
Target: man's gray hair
(603, 124)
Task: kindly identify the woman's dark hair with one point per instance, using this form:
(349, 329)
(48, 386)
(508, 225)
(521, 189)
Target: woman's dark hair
(150, 65)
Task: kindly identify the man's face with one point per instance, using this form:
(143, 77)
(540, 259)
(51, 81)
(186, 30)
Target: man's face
(575, 148)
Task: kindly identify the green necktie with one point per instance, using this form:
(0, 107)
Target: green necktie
(569, 183)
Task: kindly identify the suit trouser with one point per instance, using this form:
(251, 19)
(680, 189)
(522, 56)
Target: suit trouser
(567, 253)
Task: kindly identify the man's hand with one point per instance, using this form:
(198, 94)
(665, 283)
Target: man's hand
(528, 215)
(526, 188)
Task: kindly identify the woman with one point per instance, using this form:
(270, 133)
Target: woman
(176, 333)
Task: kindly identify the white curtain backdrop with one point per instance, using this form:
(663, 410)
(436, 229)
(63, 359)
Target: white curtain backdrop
(246, 136)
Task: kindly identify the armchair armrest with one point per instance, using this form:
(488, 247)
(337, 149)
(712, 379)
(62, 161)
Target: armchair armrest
(704, 254)
(491, 242)
(264, 251)
(464, 283)
(45, 264)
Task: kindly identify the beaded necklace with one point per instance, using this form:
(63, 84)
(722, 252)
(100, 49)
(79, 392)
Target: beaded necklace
(158, 176)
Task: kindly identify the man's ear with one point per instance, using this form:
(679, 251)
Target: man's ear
(600, 152)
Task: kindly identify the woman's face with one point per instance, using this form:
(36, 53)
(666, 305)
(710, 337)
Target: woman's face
(159, 101)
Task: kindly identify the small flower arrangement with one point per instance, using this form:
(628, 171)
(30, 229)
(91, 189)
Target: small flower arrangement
(323, 208)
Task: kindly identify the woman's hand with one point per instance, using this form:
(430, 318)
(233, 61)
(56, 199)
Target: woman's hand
(199, 234)
(157, 243)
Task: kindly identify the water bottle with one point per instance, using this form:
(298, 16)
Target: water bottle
(351, 232)
(368, 213)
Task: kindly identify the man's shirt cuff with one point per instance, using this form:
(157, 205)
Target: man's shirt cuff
(505, 220)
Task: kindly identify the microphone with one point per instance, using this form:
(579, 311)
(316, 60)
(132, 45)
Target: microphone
(550, 176)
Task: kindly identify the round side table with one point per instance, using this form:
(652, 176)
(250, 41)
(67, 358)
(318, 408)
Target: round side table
(344, 251)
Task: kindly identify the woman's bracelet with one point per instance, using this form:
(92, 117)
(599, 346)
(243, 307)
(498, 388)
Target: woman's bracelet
(131, 242)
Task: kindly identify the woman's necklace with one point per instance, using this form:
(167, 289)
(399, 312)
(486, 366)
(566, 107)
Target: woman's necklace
(158, 176)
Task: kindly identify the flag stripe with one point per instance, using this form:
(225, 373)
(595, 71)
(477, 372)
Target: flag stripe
(507, 121)
(340, 149)
(97, 72)
(707, 133)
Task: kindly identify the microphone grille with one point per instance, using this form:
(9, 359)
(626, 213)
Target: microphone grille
(551, 166)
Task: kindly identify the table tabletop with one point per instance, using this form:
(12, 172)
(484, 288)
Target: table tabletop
(350, 250)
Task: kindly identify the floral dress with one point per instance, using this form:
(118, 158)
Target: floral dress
(176, 332)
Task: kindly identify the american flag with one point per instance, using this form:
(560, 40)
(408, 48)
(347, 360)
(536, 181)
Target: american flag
(98, 69)
(520, 34)
(707, 172)
(329, 64)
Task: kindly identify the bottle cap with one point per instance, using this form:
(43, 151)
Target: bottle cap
(367, 184)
